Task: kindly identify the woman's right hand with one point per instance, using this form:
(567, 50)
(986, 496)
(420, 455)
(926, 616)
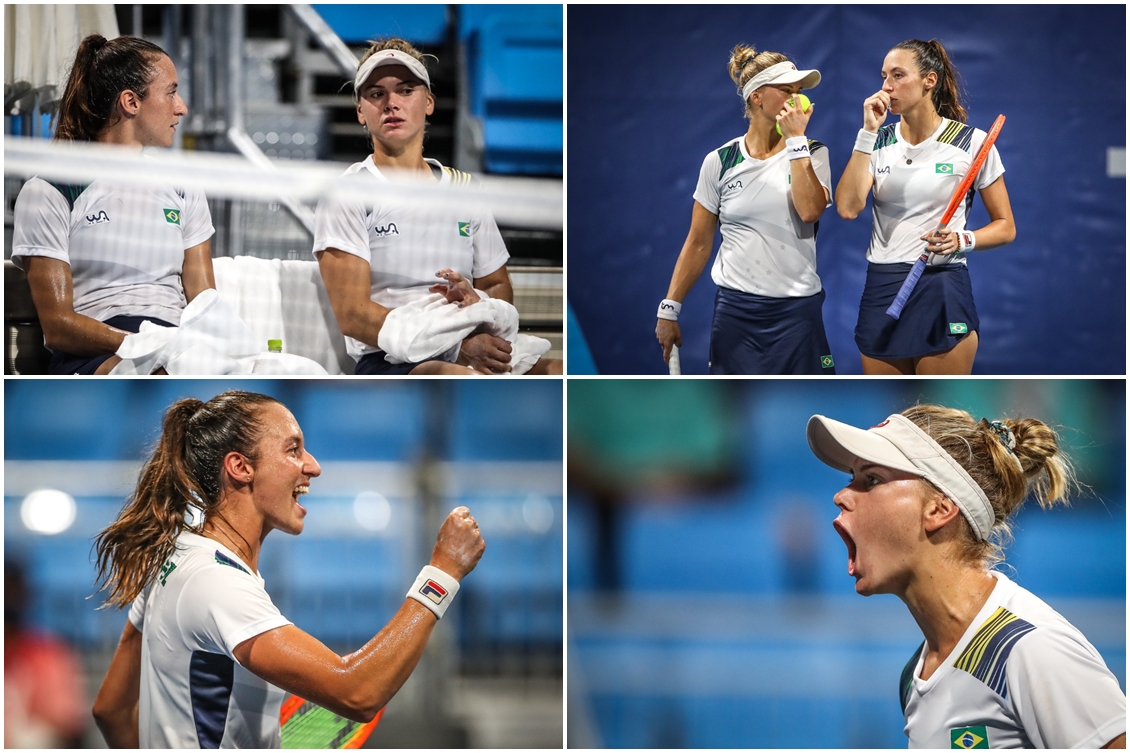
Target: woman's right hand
(875, 109)
(459, 544)
(668, 334)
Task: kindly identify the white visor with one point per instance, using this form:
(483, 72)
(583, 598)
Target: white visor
(781, 73)
(390, 57)
(898, 443)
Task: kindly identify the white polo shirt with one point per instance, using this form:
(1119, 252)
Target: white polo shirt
(194, 694)
(125, 245)
(1020, 677)
(766, 248)
(913, 186)
(406, 246)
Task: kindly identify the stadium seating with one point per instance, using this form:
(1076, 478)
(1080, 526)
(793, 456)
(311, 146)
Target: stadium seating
(357, 24)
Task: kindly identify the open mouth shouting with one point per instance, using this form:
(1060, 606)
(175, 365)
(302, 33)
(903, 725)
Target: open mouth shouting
(853, 562)
(298, 492)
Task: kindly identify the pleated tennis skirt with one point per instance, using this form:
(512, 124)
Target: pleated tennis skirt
(939, 314)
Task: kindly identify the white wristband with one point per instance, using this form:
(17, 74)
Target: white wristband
(797, 147)
(669, 310)
(434, 589)
(966, 241)
(865, 142)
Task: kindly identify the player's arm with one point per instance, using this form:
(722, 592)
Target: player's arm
(497, 284)
(346, 277)
(1118, 742)
(856, 182)
(359, 685)
(809, 197)
(692, 260)
(115, 708)
(196, 273)
(1000, 231)
(52, 291)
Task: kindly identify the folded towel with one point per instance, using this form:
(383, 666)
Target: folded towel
(433, 328)
(211, 339)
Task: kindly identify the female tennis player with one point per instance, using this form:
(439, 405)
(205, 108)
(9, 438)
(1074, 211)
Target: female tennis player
(931, 495)
(768, 188)
(102, 258)
(374, 259)
(914, 166)
(205, 656)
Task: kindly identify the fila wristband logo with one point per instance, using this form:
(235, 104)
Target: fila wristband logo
(434, 591)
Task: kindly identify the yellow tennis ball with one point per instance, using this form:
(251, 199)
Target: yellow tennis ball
(805, 103)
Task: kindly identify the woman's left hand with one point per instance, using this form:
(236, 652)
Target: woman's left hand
(942, 241)
(456, 289)
(792, 119)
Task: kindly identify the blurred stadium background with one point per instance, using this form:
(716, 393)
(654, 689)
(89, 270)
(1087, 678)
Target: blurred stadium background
(396, 456)
(268, 83)
(709, 601)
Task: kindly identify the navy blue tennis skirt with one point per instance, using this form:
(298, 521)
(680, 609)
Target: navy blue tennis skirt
(66, 363)
(939, 313)
(754, 334)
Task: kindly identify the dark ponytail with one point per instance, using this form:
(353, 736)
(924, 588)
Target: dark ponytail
(102, 70)
(946, 95)
(186, 467)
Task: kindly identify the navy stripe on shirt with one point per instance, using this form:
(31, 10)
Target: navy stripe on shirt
(210, 678)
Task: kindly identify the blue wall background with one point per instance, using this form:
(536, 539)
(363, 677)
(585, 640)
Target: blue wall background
(650, 96)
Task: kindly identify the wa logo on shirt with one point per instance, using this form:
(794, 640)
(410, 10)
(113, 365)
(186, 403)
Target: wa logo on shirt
(968, 738)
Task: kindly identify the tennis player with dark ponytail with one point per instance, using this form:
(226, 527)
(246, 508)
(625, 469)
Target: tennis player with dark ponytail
(931, 497)
(205, 657)
(913, 167)
(102, 258)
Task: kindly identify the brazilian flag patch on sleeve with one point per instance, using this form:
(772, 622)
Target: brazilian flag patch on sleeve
(968, 738)
(959, 328)
(172, 216)
(464, 229)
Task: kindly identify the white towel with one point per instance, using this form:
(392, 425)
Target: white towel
(210, 340)
(433, 328)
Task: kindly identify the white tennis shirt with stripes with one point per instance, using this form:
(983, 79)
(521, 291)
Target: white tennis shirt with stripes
(194, 694)
(406, 246)
(1020, 677)
(913, 186)
(125, 245)
(766, 248)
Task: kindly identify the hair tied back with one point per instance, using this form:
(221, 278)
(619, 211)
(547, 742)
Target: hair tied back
(1005, 435)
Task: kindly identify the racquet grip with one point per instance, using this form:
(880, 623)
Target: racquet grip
(673, 362)
(895, 310)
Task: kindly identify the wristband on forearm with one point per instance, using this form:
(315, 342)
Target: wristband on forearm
(865, 141)
(669, 310)
(966, 241)
(797, 147)
(434, 589)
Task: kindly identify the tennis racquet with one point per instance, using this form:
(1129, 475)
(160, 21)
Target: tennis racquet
(673, 362)
(307, 725)
(919, 267)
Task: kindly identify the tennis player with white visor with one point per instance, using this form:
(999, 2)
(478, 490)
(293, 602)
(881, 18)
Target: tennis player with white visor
(931, 495)
(767, 190)
(375, 258)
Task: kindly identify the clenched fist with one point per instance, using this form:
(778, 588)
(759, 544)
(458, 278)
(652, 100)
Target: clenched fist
(459, 545)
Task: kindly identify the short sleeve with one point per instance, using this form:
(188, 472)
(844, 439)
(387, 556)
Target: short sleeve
(1063, 693)
(137, 609)
(489, 250)
(198, 219)
(221, 607)
(991, 170)
(42, 223)
(706, 192)
(823, 170)
(342, 223)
